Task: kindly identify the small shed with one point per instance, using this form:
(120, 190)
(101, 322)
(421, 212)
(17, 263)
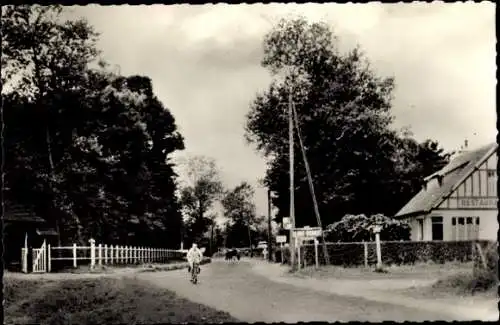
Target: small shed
(23, 228)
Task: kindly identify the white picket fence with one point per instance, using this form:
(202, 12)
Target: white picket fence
(97, 255)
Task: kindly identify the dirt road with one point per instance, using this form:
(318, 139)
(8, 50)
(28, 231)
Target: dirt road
(252, 297)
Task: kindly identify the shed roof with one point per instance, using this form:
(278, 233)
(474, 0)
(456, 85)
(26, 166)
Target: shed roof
(452, 176)
(19, 213)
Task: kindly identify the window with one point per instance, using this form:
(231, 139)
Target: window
(464, 228)
(469, 229)
(437, 228)
(454, 228)
(492, 183)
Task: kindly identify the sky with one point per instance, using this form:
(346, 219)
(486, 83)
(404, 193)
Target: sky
(204, 62)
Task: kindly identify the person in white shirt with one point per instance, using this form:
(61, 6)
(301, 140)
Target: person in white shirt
(194, 255)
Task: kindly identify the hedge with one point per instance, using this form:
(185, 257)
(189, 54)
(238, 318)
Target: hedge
(393, 252)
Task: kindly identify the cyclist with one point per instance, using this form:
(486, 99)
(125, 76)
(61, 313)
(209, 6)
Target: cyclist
(194, 255)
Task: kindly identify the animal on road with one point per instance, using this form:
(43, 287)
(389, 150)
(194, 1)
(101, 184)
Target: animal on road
(232, 255)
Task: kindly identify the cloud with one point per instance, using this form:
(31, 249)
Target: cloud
(204, 63)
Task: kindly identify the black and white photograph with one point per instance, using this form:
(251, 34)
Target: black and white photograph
(242, 163)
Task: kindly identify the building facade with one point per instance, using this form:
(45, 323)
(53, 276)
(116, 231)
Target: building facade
(459, 202)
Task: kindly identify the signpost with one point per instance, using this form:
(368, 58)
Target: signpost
(280, 239)
(308, 232)
(287, 224)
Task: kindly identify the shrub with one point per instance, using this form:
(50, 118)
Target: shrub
(357, 228)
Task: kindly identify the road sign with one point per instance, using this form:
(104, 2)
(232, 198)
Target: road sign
(286, 223)
(308, 232)
(280, 239)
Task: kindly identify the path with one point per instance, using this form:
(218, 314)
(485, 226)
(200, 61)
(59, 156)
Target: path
(385, 290)
(252, 297)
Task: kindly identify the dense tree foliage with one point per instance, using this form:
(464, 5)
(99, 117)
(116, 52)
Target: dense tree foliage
(358, 228)
(88, 148)
(199, 195)
(244, 227)
(358, 163)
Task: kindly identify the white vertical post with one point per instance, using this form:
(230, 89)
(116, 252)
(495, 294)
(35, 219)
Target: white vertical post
(92, 253)
(316, 257)
(117, 254)
(127, 255)
(111, 254)
(74, 255)
(105, 253)
(379, 250)
(134, 253)
(298, 256)
(122, 254)
(48, 258)
(365, 244)
(149, 255)
(100, 254)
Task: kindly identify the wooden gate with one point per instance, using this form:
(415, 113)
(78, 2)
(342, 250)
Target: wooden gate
(40, 259)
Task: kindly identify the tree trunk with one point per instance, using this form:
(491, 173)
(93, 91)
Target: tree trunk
(51, 185)
(212, 238)
(250, 240)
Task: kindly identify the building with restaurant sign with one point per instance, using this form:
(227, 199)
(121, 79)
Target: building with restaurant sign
(459, 202)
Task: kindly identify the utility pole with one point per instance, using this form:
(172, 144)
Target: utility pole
(292, 187)
(269, 234)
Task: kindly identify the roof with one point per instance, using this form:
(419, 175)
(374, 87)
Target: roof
(452, 175)
(46, 232)
(18, 213)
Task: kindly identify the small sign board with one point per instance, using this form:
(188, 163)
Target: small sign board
(477, 203)
(287, 224)
(309, 232)
(280, 239)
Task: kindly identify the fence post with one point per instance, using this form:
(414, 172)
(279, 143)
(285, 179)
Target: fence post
(117, 254)
(111, 254)
(127, 254)
(122, 254)
(298, 256)
(365, 244)
(379, 250)
(105, 253)
(316, 257)
(74, 255)
(48, 258)
(100, 254)
(92, 253)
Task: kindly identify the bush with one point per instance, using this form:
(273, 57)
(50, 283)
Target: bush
(357, 228)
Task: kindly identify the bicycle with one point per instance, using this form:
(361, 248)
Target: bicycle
(195, 270)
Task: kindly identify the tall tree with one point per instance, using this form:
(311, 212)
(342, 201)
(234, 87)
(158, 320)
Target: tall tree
(344, 118)
(99, 143)
(239, 208)
(203, 188)
(43, 59)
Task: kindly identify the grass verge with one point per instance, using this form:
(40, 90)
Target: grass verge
(100, 301)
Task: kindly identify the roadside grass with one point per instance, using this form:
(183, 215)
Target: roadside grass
(100, 301)
(424, 271)
(450, 279)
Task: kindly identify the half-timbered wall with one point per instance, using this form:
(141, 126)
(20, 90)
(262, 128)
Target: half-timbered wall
(478, 191)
